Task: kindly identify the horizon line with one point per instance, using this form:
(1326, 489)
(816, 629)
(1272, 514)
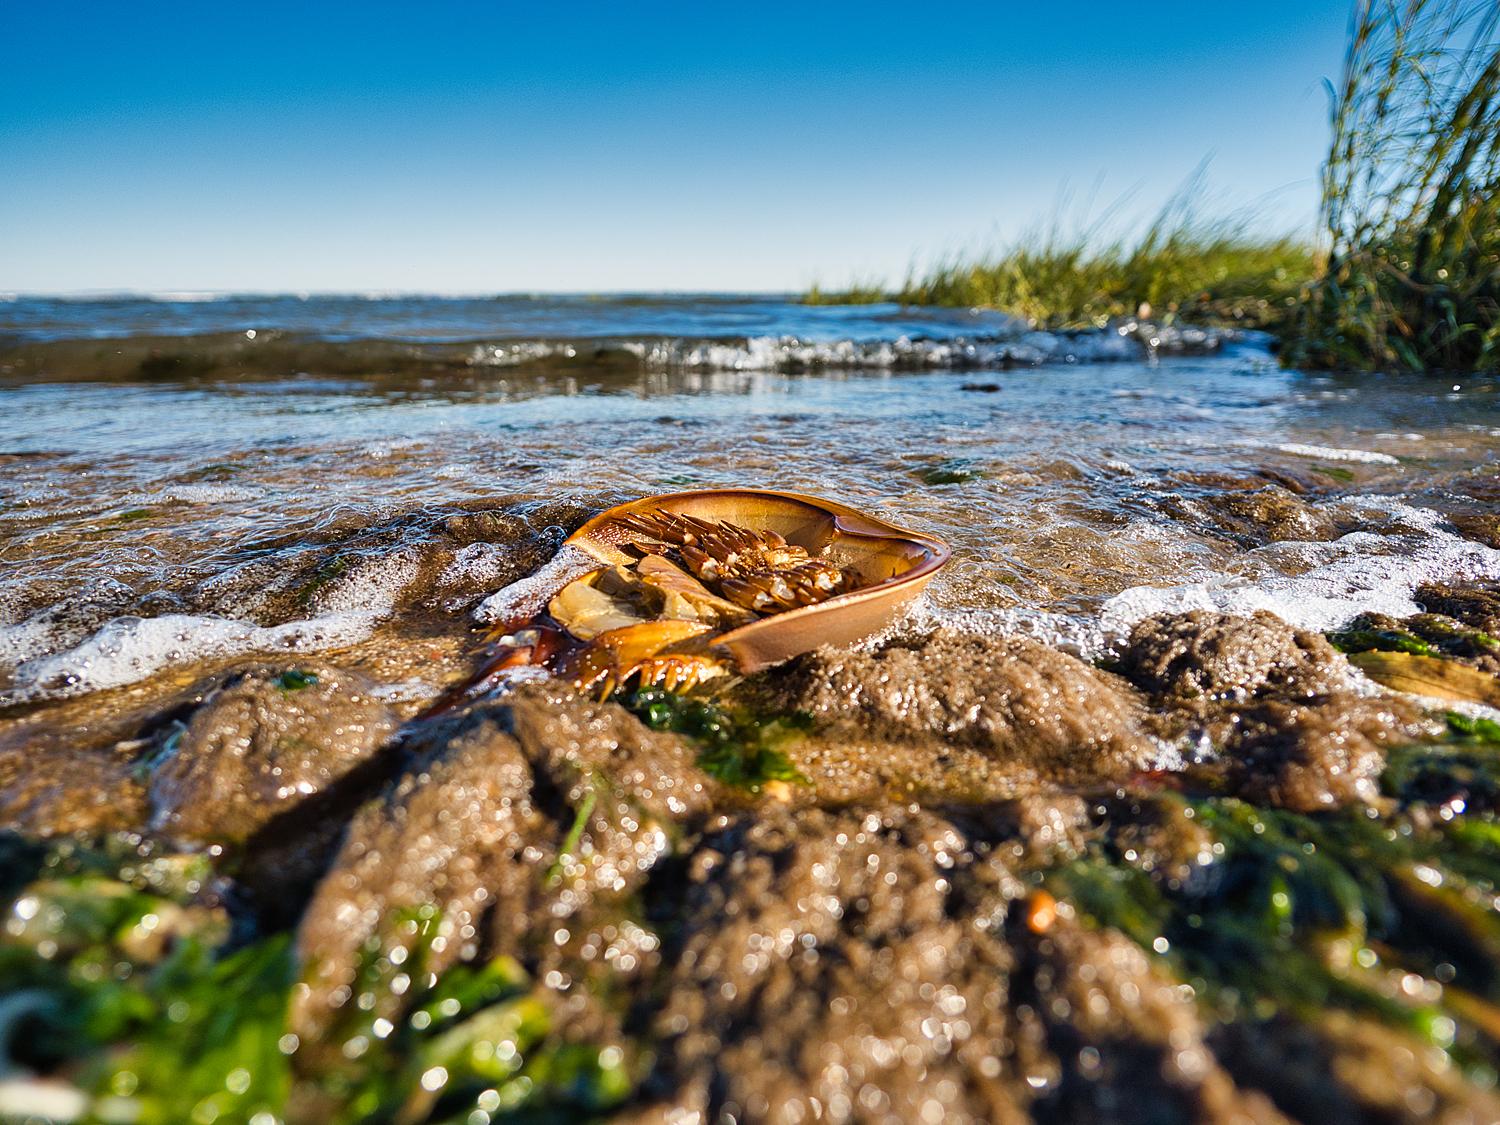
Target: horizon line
(189, 295)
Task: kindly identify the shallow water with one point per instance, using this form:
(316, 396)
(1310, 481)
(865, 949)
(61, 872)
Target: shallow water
(247, 542)
(145, 517)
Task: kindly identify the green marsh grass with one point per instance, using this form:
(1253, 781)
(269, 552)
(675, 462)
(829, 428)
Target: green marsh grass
(1411, 195)
(1405, 271)
(1185, 266)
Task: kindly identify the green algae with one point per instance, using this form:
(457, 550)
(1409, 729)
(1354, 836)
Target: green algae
(1380, 640)
(737, 746)
(1470, 729)
(295, 679)
(1285, 913)
(1424, 634)
(136, 994)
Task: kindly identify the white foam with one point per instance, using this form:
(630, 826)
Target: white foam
(25, 639)
(207, 494)
(185, 296)
(1359, 573)
(1315, 586)
(404, 691)
(1331, 453)
(192, 494)
(783, 353)
(478, 562)
(129, 649)
(373, 585)
(527, 597)
(380, 450)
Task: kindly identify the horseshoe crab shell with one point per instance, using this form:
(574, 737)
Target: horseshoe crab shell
(891, 565)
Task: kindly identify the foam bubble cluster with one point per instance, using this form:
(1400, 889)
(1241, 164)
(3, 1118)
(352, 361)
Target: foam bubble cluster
(529, 596)
(129, 649)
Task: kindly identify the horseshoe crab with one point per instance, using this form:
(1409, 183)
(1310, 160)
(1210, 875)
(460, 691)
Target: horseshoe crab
(694, 586)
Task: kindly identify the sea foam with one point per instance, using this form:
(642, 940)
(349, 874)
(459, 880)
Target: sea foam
(529, 596)
(1334, 582)
(129, 649)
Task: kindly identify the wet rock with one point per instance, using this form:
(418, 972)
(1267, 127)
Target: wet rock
(1053, 824)
(1309, 756)
(1293, 480)
(895, 947)
(1161, 838)
(450, 842)
(1205, 656)
(1130, 1044)
(522, 520)
(1477, 605)
(1482, 527)
(1250, 510)
(1278, 704)
(622, 794)
(1340, 1068)
(1270, 515)
(959, 717)
(516, 817)
(843, 966)
(51, 787)
(267, 740)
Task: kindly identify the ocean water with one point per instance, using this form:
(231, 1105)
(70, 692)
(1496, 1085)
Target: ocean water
(187, 481)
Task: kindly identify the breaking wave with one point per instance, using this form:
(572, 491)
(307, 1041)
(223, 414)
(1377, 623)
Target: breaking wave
(278, 354)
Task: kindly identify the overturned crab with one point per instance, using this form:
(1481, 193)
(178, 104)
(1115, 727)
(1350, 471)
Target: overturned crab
(694, 587)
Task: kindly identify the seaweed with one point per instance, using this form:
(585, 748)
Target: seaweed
(1297, 913)
(739, 747)
(295, 679)
(129, 988)
(1425, 634)
(957, 470)
(1380, 640)
(1459, 774)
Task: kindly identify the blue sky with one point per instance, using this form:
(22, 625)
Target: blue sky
(479, 147)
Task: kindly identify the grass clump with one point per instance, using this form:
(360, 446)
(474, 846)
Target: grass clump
(856, 293)
(1405, 274)
(1411, 195)
(1186, 266)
